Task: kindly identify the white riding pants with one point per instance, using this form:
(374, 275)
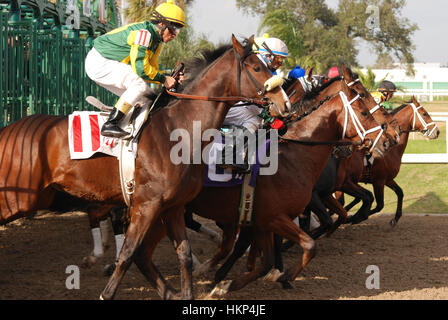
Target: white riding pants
(117, 77)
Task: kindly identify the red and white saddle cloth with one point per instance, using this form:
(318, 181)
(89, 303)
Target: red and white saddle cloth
(84, 135)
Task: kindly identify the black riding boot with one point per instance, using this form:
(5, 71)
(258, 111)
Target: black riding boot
(110, 127)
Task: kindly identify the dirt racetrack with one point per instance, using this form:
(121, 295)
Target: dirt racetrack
(412, 259)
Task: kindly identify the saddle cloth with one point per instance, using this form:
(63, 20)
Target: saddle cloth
(84, 134)
(219, 177)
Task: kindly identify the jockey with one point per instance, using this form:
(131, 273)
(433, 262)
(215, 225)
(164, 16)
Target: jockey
(385, 92)
(125, 60)
(272, 52)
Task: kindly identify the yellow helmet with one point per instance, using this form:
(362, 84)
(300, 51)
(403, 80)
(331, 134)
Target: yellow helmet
(170, 12)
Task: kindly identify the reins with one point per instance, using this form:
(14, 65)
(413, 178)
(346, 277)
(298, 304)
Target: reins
(220, 99)
(261, 90)
(319, 143)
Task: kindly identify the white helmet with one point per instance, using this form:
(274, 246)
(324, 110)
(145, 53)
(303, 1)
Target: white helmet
(259, 41)
(275, 45)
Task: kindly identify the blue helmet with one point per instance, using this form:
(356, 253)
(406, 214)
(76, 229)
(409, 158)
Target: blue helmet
(296, 73)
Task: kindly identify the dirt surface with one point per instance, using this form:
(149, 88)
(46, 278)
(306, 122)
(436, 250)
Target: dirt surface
(412, 259)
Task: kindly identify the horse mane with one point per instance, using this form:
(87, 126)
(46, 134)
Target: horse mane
(395, 110)
(307, 100)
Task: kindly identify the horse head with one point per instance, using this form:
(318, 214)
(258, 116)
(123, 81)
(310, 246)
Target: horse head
(387, 122)
(359, 121)
(422, 121)
(254, 79)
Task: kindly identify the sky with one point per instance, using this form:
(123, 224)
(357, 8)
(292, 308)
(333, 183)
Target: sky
(218, 19)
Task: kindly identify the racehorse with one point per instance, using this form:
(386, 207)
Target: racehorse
(35, 158)
(279, 197)
(411, 117)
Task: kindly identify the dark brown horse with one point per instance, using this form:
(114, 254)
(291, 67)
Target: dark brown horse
(35, 159)
(279, 197)
(411, 118)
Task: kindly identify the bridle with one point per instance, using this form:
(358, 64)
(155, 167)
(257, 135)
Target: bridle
(422, 121)
(362, 133)
(241, 65)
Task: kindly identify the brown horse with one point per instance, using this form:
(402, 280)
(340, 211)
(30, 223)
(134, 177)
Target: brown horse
(410, 117)
(35, 159)
(279, 197)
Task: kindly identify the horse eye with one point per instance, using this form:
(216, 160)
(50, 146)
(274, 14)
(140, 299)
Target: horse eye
(257, 69)
(364, 113)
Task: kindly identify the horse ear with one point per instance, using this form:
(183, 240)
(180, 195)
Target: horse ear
(414, 100)
(237, 45)
(309, 73)
(346, 72)
(252, 40)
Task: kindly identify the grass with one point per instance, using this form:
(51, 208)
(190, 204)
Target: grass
(425, 189)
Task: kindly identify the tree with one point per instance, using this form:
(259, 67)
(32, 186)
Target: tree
(140, 10)
(325, 37)
(384, 61)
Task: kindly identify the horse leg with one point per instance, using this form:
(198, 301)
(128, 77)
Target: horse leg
(378, 189)
(119, 228)
(399, 192)
(302, 221)
(265, 242)
(145, 215)
(96, 215)
(288, 229)
(175, 225)
(192, 224)
(227, 243)
(319, 209)
(278, 263)
(240, 247)
(143, 261)
(365, 195)
(334, 205)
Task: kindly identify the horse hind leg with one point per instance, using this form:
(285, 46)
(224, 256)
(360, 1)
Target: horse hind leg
(288, 229)
(118, 227)
(227, 243)
(96, 215)
(399, 192)
(264, 241)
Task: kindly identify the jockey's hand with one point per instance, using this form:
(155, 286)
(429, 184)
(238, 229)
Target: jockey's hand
(169, 83)
(180, 77)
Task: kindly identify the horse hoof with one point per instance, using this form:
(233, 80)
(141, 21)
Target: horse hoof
(286, 285)
(393, 223)
(109, 269)
(221, 288)
(88, 261)
(273, 275)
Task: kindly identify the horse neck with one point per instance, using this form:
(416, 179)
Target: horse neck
(211, 114)
(320, 125)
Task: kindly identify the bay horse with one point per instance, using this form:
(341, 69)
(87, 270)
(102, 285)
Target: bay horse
(279, 197)
(411, 117)
(35, 159)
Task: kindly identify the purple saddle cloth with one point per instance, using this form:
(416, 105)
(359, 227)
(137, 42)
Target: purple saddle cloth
(219, 177)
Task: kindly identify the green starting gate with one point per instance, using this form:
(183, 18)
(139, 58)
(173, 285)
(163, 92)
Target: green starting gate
(42, 66)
